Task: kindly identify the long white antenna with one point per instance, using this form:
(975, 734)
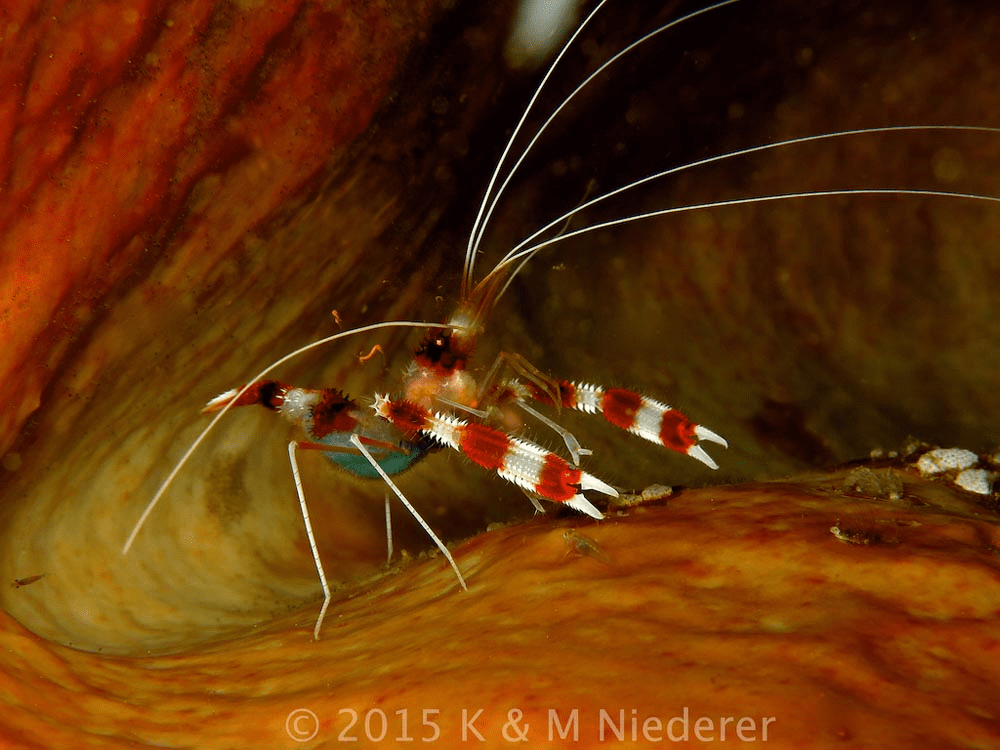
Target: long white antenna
(470, 252)
(479, 226)
(520, 252)
(529, 252)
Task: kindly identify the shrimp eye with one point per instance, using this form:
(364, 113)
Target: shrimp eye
(436, 352)
(435, 347)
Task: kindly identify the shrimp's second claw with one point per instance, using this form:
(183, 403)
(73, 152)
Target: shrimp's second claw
(268, 393)
(648, 418)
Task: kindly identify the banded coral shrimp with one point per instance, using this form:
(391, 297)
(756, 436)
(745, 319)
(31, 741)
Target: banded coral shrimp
(641, 353)
(439, 376)
(403, 431)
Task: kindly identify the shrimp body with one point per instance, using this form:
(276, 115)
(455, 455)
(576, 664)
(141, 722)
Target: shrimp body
(401, 456)
(329, 418)
(443, 404)
(440, 368)
(445, 400)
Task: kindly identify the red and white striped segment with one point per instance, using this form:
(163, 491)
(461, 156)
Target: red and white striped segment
(319, 412)
(642, 416)
(527, 465)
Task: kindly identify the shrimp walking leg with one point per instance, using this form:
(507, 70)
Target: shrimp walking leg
(359, 445)
(388, 530)
(413, 511)
(312, 539)
(496, 389)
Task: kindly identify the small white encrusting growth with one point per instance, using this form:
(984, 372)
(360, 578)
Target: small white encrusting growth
(958, 464)
(975, 480)
(946, 459)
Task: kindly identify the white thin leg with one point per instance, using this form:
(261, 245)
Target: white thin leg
(388, 530)
(572, 444)
(356, 442)
(463, 407)
(534, 501)
(312, 540)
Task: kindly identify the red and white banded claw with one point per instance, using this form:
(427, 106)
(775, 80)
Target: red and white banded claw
(527, 465)
(642, 416)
